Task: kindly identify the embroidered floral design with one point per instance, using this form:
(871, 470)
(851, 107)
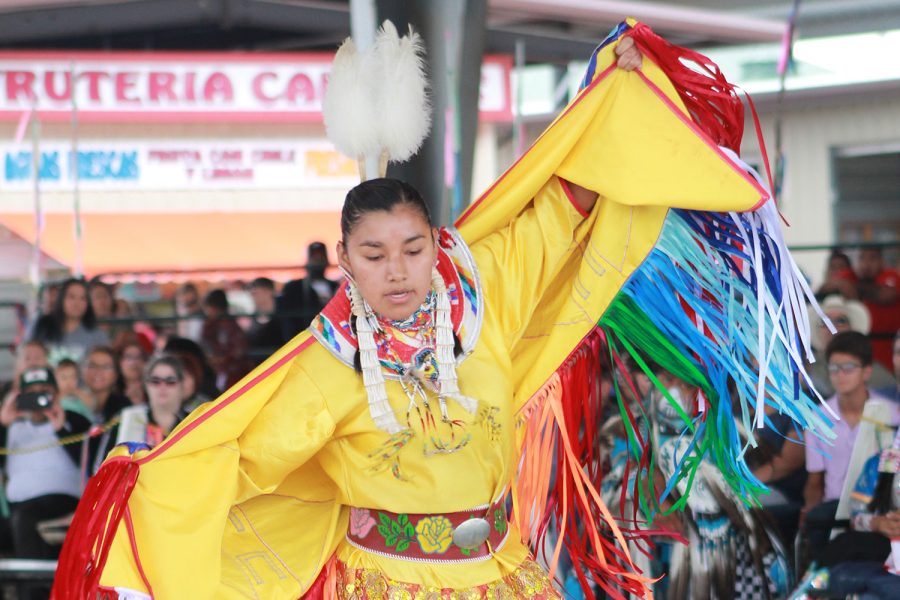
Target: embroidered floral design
(397, 534)
(434, 534)
(487, 418)
(388, 454)
(500, 520)
(361, 522)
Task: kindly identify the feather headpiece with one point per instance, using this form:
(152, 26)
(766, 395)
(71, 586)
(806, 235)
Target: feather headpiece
(376, 104)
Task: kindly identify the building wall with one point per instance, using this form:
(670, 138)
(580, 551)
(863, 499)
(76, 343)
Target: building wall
(812, 129)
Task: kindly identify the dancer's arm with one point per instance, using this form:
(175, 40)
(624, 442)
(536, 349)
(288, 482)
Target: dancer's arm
(629, 59)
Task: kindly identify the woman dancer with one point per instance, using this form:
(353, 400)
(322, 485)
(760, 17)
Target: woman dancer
(372, 456)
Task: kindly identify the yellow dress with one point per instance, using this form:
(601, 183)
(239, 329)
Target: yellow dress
(250, 496)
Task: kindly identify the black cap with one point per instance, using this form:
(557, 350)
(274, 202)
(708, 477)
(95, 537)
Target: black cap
(37, 376)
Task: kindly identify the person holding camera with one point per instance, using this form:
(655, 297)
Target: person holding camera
(43, 477)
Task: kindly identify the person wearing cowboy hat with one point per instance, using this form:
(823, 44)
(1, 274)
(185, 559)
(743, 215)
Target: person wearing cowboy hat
(845, 315)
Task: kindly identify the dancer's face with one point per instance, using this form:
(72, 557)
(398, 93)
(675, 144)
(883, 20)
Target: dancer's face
(390, 255)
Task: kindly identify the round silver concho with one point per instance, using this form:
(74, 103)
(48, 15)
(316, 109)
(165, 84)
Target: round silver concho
(471, 533)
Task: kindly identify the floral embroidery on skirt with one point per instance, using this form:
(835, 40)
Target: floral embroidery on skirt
(528, 581)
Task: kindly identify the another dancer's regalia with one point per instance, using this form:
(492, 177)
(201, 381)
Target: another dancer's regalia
(309, 478)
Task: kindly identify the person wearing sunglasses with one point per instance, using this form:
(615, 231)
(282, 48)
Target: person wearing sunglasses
(150, 423)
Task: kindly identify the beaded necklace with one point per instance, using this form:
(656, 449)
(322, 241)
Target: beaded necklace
(416, 382)
(409, 343)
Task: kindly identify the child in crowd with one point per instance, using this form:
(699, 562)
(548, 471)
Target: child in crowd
(72, 396)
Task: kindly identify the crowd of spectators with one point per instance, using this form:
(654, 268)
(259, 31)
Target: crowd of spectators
(105, 376)
(110, 379)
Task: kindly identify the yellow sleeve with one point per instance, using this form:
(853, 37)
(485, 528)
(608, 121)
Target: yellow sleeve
(517, 263)
(285, 434)
(628, 137)
(206, 516)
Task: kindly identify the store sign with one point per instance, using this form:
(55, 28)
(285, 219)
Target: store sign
(168, 165)
(192, 86)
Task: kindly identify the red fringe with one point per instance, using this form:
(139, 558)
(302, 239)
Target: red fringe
(93, 528)
(712, 102)
(561, 423)
(582, 404)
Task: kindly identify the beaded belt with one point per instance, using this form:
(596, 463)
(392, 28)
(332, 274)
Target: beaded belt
(465, 536)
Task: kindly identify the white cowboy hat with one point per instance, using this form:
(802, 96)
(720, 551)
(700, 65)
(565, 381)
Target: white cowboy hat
(855, 311)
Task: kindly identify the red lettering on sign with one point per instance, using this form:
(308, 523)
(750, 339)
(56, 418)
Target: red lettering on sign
(50, 78)
(125, 82)
(93, 79)
(160, 86)
(19, 83)
(258, 91)
(189, 79)
(300, 85)
(218, 86)
(174, 155)
(224, 156)
(228, 173)
(282, 156)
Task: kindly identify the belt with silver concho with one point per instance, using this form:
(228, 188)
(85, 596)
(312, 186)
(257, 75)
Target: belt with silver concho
(456, 537)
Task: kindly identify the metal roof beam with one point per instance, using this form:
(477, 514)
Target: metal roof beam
(714, 25)
(40, 24)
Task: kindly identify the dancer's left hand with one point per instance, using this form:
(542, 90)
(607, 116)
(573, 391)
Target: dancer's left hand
(629, 56)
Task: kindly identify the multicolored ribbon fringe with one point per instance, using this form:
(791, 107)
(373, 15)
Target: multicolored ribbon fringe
(718, 303)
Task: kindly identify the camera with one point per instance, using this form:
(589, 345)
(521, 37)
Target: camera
(33, 401)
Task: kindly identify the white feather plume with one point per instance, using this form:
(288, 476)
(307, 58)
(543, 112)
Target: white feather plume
(404, 111)
(376, 103)
(348, 108)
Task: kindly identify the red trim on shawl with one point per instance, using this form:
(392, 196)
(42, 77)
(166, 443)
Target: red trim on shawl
(686, 119)
(571, 106)
(129, 527)
(565, 186)
(668, 102)
(224, 403)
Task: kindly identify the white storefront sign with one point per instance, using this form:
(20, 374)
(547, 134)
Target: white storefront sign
(182, 164)
(190, 86)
